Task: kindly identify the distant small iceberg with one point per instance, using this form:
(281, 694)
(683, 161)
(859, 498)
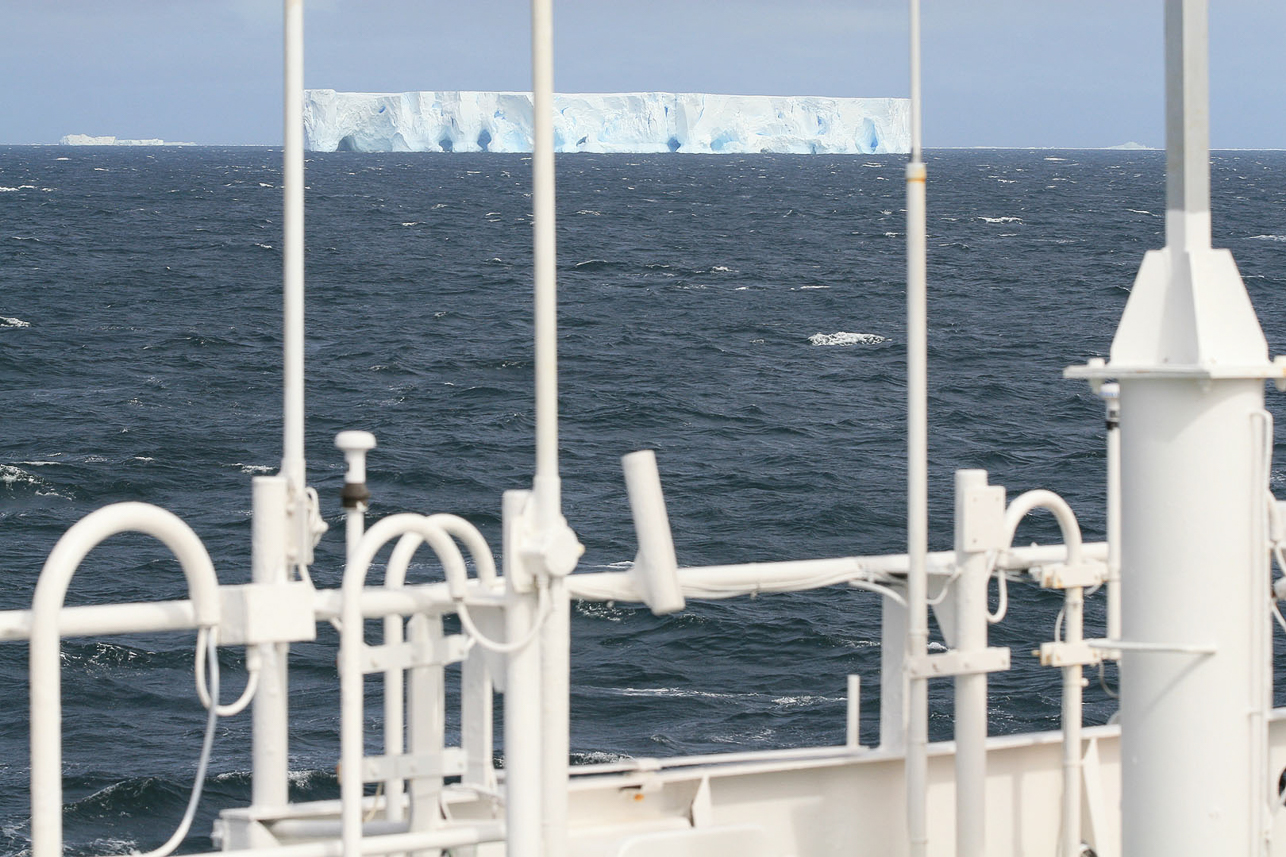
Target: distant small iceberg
(87, 140)
(1130, 145)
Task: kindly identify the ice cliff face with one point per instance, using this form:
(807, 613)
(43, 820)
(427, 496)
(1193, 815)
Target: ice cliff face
(605, 122)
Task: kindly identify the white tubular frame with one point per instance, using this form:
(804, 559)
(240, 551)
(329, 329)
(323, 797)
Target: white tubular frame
(45, 669)
(437, 532)
(1073, 634)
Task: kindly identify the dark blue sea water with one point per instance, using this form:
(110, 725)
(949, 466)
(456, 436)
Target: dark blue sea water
(741, 315)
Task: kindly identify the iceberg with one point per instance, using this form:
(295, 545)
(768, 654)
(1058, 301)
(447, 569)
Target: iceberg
(642, 122)
(88, 140)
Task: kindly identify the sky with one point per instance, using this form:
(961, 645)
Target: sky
(1060, 73)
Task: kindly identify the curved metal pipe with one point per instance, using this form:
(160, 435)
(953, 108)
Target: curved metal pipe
(46, 676)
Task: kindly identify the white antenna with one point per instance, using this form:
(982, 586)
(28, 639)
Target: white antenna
(917, 494)
(292, 460)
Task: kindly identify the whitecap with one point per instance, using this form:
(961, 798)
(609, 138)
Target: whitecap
(1268, 238)
(720, 269)
(1056, 159)
(11, 475)
(16, 189)
(600, 757)
(253, 468)
(9, 321)
(1002, 219)
(264, 246)
(844, 338)
(682, 693)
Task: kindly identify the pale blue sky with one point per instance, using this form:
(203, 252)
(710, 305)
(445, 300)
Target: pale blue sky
(997, 72)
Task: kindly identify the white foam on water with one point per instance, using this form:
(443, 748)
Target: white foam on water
(1002, 219)
(845, 338)
(1268, 238)
(8, 321)
(253, 468)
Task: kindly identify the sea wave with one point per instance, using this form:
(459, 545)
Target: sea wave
(845, 338)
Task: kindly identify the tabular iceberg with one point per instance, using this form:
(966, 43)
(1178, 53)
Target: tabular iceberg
(642, 122)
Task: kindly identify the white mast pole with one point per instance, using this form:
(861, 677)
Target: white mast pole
(1191, 360)
(551, 528)
(917, 637)
(292, 461)
(276, 498)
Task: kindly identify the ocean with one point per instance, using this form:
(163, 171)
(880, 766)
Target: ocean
(743, 316)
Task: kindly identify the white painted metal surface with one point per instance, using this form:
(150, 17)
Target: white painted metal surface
(1188, 771)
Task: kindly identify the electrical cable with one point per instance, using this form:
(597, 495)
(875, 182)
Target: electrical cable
(207, 639)
(1002, 591)
(475, 634)
(252, 686)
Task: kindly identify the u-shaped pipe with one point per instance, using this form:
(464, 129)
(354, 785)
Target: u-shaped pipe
(46, 677)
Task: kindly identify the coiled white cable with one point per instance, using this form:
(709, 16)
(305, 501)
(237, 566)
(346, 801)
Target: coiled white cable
(475, 633)
(1002, 590)
(208, 697)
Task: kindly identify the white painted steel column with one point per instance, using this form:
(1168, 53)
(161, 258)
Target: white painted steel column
(1191, 358)
(271, 715)
(971, 689)
(522, 693)
(1186, 718)
(917, 637)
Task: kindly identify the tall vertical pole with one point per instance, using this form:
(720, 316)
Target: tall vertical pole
(917, 637)
(1191, 359)
(292, 461)
(279, 499)
(555, 633)
(970, 600)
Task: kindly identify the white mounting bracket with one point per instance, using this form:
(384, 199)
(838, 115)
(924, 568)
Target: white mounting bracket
(1063, 576)
(953, 663)
(1070, 654)
(255, 613)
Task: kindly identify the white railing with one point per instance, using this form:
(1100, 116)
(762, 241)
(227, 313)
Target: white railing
(503, 635)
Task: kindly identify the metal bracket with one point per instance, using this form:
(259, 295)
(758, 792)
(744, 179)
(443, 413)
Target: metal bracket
(953, 663)
(984, 518)
(254, 613)
(1068, 654)
(1138, 646)
(392, 656)
(1064, 576)
(451, 762)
